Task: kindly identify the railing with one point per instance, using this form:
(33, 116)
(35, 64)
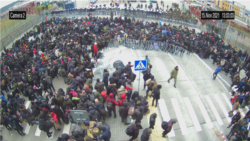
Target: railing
(164, 17)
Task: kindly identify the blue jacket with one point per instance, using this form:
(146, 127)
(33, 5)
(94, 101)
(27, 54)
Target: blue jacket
(106, 135)
(218, 69)
(3, 98)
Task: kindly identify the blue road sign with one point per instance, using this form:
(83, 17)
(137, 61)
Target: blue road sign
(140, 65)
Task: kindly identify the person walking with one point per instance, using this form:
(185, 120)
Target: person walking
(146, 134)
(235, 119)
(129, 89)
(123, 112)
(156, 95)
(174, 74)
(167, 126)
(152, 120)
(105, 78)
(218, 69)
(133, 130)
(151, 83)
(233, 130)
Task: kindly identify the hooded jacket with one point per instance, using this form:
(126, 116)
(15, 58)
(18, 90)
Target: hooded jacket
(111, 99)
(98, 96)
(106, 135)
(112, 89)
(174, 73)
(68, 103)
(152, 119)
(156, 93)
(89, 83)
(123, 110)
(145, 136)
(105, 79)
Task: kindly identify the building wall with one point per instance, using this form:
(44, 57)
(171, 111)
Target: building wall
(225, 5)
(236, 9)
(242, 8)
(219, 3)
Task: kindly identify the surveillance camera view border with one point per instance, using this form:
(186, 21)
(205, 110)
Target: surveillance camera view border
(124, 70)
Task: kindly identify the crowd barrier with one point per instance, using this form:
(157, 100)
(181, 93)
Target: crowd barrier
(149, 45)
(142, 14)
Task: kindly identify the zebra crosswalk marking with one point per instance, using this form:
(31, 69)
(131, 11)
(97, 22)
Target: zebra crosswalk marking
(222, 108)
(216, 114)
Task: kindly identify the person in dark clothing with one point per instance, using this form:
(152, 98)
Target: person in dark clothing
(167, 126)
(106, 135)
(156, 95)
(146, 75)
(123, 112)
(233, 130)
(146, 134)
(105, 78)
(134, 130)
(152, 120)
(235, 119)
(60, 115)
(139, 114)
(16, 126)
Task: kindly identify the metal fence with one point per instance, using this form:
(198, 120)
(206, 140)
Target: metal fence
(149, 45)
(163, 17)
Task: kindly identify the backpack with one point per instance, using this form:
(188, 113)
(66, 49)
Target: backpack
(151, 84)
(110, 105)
(164, 125)
(92, 97)
(29, 78)
(129, 130)
(120, 102)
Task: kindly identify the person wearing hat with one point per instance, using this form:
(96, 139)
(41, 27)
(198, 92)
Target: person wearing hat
(174, 74)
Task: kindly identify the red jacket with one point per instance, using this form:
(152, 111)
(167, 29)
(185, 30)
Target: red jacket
(34, 52)
(95, 49)
(111, 99)
(54, 116)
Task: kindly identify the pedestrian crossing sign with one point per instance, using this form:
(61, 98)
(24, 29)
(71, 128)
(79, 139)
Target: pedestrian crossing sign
(140, 65)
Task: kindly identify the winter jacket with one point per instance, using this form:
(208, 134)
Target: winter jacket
(139, 114)
(129, 87)
(235, 118)
(152, 119)
(111, 99)
(98, 96)
(95, 49)
(105, 77)
(174, 73)
(135, 129)
(60, 99)
(106, 134)
(218, 69)
(57, 111)
(156, 93)
(145, 136)
(68, 103)
(236, 106)
(123, 110)
(99, 86)
(236, 127)
(112, 89)
(121, 91)
(77, 128)
(89, 83)
(135, 94)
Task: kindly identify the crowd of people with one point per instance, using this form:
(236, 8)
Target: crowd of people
(59, 48)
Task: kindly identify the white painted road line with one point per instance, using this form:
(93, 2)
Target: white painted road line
(27, 129)
(66, 128)
(165, 114)
(38, 131)
(222, 107)
(192, 114)
(27, 104)
(204, 113)
(228, 102)
(216, 114)
(179, 116)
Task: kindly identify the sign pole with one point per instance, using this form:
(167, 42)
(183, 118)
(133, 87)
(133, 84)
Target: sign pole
(139, 81)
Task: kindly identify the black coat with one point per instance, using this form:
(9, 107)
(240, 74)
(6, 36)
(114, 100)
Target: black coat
(145, 136)
(123, 111)
(156, 93)
(152, 119)
(236, 127)
(57, 111)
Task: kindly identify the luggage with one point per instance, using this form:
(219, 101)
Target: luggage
(131, 110)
